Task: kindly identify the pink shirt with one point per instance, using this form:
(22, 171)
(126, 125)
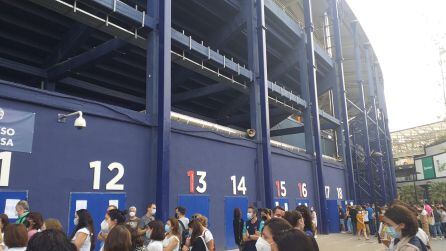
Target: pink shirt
(428, 209)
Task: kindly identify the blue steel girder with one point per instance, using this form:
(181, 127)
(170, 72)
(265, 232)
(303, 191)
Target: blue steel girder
(318, 170)
(64, 68)
(199, 92)
(158, 101)
(365, 132)
(221, 36)
(102, 90)
(23, 68)
(259, 110)
(290, 60)
(74, 38)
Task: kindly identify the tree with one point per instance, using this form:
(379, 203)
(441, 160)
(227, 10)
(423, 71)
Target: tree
(407, 194)
(437, 192)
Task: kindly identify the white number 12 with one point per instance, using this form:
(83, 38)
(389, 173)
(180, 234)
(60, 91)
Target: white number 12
(112, 184)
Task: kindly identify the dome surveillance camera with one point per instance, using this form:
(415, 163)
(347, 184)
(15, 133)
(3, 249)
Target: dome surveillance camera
(79, 122)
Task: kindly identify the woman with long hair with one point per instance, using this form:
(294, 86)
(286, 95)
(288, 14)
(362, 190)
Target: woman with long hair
(118, 239)
(172, 240)
(308, 221)
(83, 234)
(196, 241)
(155, 233)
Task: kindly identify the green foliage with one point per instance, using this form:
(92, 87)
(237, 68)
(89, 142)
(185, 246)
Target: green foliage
(437, 192)
(407, 194)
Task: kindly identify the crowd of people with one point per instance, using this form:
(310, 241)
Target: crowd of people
(399, 226)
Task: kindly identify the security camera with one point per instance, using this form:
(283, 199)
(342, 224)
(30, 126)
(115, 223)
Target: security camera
(79, 122)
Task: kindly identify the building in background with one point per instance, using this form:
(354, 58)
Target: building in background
(420, 156)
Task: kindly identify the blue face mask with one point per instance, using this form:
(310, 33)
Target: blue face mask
(167, 228)
(249, 216)
(392, 232)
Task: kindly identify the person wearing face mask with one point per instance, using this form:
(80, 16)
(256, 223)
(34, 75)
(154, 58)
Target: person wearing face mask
(155, 235)
(237, 226)
(22, 211)
(113, 218)
(172, 240)
(132, 220)
(272, 228)
(104, 227)
(145, 220)
(402, 226)
(83, 233)
(252, 230)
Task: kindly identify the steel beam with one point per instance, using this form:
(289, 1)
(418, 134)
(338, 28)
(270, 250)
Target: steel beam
(286, 64)
(158, 101)
(72, 39)
(220, 37)
(102, 90)
(259, 100)
(23, 68)
(340, 89)
(314, 108)
(199, 92)
(365, 128)
(63, 69)
(373, 96)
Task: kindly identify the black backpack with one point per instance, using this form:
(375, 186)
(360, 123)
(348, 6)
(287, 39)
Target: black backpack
(184, 234)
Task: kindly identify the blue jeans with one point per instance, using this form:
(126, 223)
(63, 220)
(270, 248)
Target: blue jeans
(436, 230)
(349, 225)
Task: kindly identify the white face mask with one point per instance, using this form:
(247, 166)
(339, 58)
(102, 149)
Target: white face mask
(132, 214)
(76, 221)
(262, 245)
(104, 226)
(154, 211)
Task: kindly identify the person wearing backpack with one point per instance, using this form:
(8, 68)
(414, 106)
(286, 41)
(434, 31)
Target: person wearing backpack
(196, 241)
(180, 213)
(402, 226)
(251, 230)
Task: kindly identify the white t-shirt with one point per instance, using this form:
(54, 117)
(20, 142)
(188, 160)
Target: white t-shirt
(15, 249)
(155, 246)
(207, 235)
(87, 243)
(366, 216)
(443, 217)
(185, 222)
(167, 241)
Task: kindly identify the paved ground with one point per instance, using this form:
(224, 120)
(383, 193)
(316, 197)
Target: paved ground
(347, 242)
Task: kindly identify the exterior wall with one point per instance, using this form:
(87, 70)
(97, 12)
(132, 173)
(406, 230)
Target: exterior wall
(59, 163)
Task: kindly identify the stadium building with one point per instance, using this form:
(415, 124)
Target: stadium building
(211, 105)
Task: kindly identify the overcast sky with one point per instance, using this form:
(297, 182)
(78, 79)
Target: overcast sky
(405, 35)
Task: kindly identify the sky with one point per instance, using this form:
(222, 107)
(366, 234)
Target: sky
(406, 36)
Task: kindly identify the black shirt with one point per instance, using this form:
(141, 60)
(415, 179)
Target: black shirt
(251, 228)
(353, 214)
